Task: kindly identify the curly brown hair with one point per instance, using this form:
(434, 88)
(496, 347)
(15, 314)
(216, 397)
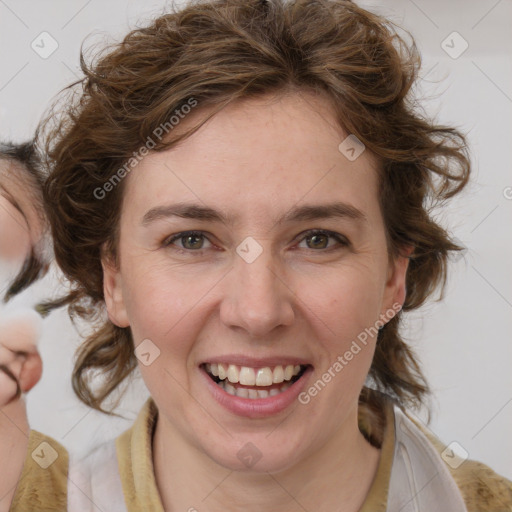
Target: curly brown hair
(222, 51)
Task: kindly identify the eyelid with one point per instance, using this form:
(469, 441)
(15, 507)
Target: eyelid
(168, 241)
(341, 239)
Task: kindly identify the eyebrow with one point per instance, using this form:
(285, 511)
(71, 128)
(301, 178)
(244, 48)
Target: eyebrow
(297, 214)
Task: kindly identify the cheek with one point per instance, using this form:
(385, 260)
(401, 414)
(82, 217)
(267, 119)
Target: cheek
(169, 303)
(344, 307)
(347, 299)
(346, 332)
(157, 312)
(162, 305)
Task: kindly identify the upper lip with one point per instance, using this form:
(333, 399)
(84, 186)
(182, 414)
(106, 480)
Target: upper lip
(256, 362)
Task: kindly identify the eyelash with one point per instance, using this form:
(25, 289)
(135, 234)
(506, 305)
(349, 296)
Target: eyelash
(344, 242)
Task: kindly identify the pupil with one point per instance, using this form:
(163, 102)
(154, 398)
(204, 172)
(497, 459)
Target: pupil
(192, 237)
(315, 237)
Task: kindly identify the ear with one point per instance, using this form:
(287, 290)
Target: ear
(113, 293)
(395, 291)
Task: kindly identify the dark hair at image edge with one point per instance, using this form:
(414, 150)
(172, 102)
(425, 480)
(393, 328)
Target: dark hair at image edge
(231, 50)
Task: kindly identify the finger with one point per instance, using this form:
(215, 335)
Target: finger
(31, 371)
(5, 370)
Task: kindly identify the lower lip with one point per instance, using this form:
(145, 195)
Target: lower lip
(256, 407)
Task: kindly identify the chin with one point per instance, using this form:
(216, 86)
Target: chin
(255, 454)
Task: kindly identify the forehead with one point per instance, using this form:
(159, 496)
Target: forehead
(22, 191)
(15, 176)
(256, 157)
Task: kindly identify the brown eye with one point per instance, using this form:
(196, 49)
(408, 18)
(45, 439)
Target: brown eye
(192, 241)
(319, 239)
(188, 240)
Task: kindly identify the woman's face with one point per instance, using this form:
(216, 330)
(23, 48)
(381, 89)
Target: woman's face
(21, 229)
(19, 220)
(258, 291)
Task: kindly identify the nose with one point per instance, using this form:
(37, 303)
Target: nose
(258, 297)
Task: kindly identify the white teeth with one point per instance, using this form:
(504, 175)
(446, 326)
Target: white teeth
(247, 376)
(253, 376)
(278, 375)
(288, 372)
(230, 374)
(222, 372)
(229, 388)
(264, 377)
(242, 392)
(233, 373)
(252, 393)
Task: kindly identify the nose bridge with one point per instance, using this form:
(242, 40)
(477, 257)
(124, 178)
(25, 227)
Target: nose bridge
(258, 298)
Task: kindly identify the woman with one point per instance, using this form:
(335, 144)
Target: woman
(239, 198)
(24, 259)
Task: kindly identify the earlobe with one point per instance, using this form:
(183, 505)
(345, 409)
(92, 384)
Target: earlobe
(113, 293)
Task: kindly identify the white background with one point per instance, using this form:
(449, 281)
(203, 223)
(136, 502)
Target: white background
(464, 342)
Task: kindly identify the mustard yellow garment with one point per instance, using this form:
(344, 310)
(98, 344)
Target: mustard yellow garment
(45, 489)
(43, 483)
(482, 489)
(136, 467)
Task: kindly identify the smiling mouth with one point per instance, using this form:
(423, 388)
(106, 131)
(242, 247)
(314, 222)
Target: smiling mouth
(254, 383)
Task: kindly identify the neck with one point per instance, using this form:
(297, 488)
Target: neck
(341, 472)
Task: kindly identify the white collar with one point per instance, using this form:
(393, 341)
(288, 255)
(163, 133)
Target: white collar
(420, 480)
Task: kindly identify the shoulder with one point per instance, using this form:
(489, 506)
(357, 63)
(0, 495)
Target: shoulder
(44, 479)
(482, 489)
(117, 473)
